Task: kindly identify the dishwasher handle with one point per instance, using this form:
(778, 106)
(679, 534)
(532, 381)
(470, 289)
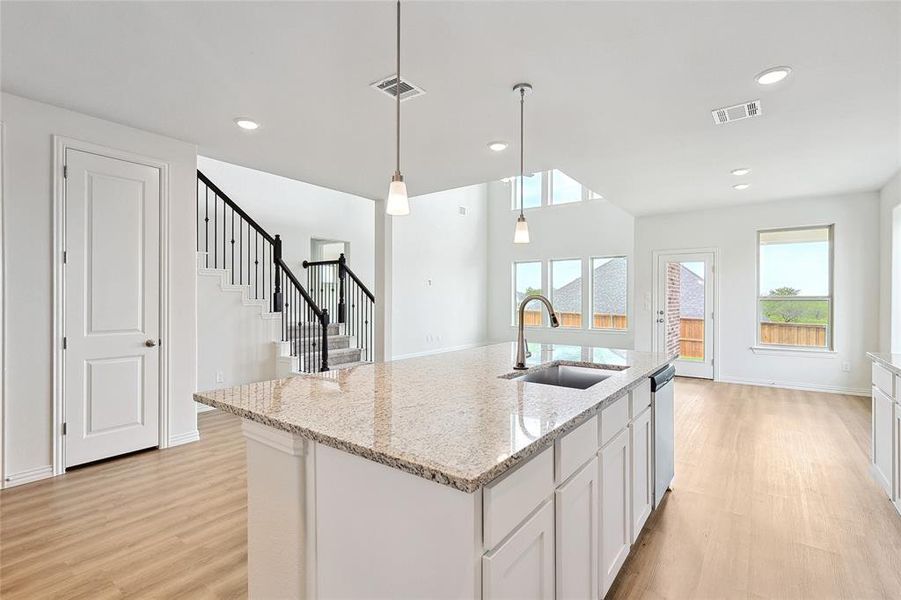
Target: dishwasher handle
(662, 377)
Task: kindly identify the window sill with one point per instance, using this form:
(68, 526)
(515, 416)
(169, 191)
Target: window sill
(779, 351)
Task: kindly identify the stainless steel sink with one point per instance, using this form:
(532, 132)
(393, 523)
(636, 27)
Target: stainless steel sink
(579, 378)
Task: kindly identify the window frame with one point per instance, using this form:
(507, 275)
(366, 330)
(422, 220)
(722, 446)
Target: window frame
(830, 299)
(591, 326)
(514, 304)
(547, 192)
(550, 287)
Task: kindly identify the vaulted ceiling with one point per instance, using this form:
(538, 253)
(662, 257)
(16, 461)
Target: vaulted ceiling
(623, 90)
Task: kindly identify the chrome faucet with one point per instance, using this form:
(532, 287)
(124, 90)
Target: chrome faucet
(522, 350)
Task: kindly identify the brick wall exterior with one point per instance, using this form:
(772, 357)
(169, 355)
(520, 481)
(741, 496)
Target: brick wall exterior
(673, 316)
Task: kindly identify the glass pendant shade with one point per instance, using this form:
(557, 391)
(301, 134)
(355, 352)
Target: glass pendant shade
(398, 204)
(521, 233)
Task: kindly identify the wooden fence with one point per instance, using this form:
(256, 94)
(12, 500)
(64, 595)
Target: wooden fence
(571, 319)
(793, 334)
(691, 331)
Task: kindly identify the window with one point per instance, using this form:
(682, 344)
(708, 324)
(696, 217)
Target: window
(564, 189)
(532, 190)
(566, 294)
(609, 293)
(527, 282)
(794, 305)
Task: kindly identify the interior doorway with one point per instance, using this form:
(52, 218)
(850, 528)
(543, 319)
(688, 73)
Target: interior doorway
(328, 249)
(684, 312)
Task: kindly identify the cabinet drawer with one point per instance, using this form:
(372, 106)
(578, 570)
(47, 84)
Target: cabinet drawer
(884, 380)
(576, 448)
(507, 502)
(639, 398)
(614, 419)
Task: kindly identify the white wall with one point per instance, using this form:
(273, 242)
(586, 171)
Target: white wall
(27, 247)
(578, 230)
(440, 273)
(890, 265)
(300, 211)
(233, 339)
(733, 231)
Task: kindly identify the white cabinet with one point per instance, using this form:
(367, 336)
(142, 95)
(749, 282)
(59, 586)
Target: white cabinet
(522, 567)
(898, 456)
(615, 539)
(577, 534)
(883, 446)
(640, 445)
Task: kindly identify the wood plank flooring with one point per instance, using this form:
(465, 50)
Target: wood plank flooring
(773, 499)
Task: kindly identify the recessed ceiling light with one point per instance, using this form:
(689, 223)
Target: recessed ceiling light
(497, 146)
(245, 123)
(740, 172)
(774, 75)
(741, 186)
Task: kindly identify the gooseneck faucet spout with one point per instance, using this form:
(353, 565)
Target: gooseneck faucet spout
(522, 350)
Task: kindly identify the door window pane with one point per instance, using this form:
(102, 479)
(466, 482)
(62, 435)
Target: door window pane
(564, 189)
(794, 306)
(691, 299)
(532, 190)
(527, 282)
(609, 293)
(566, 280)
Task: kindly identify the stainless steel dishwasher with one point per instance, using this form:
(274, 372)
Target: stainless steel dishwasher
(663, 417)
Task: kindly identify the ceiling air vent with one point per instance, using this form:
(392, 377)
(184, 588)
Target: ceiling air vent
(388, 85)
(745, 110)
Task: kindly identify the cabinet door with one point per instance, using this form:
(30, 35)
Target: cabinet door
(898, 455)
(642, 472)
(523, 566)
(577, 534)
(615, 504)
(883, 423)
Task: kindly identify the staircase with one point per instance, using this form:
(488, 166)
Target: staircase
(329, 329)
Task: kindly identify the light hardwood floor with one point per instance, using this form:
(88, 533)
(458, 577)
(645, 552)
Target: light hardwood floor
(773, 499)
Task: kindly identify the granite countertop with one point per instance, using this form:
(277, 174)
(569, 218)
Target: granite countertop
(892, 362)
(452, 417)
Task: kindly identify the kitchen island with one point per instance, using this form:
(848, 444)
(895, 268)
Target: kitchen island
(447, 476)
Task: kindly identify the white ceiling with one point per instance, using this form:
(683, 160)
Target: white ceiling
(623, 91)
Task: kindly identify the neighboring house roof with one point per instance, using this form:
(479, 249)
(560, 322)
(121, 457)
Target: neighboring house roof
(610, 292)
(692, 304)
(610, 286)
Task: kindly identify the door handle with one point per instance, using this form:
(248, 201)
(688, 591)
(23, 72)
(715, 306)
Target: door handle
(150, 343)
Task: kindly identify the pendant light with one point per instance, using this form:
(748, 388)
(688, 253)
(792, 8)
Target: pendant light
(398, 204)
(521, 233)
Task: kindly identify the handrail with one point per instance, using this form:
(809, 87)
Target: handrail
(303, 292)
(345, 268)
(231, 203)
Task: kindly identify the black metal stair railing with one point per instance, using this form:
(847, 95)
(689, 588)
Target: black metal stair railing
(232, 240)
(334, 286)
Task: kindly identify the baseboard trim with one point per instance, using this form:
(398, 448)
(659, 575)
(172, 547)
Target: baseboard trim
(439, 351)
(806, 387)
(28, 476)
(184, 438)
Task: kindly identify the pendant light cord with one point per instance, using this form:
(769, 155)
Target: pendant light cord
(397, 87)
(522, 137)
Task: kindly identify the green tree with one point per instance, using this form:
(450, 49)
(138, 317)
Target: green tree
(785, 291)
(530, 291)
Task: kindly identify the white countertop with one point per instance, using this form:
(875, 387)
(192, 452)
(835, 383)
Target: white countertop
(452, 417)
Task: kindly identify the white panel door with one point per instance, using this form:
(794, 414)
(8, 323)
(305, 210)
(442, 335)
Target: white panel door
(614, 507)
(112, 307)
(640, 445)
(522, 568)
(898, 455)
(577, 535)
